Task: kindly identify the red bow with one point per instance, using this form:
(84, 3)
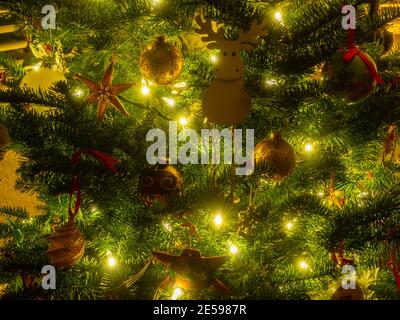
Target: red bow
(353, 51)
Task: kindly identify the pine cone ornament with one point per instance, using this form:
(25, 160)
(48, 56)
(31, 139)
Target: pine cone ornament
(275, 157)
(246, 221)
(161, 62)
(66, 246)
(4, 140)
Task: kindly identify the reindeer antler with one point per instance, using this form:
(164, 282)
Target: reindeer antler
(206, 28)
(250, 37)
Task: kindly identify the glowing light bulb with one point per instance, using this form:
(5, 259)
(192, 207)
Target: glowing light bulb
(183, 121)
(218, 220)
(308, 147)
(233, 249)
(145, 89)
(303, 265)
(169, 101)
(289, 225)
(320, 194)
(111, 260)
(78, 93)
(37, 66)
(278, 16)
(177, 293)
(180, 85)
(214, 59)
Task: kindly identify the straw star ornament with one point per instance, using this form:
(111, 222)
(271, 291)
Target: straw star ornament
(105, 92)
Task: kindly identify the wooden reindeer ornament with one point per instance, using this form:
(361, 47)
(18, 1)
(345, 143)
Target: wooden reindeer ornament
(227, 101)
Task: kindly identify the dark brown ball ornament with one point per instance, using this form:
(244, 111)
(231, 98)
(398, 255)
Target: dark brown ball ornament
(348, 294)
(274, 157)
(161, 62)
(158, 183)
(66, 246)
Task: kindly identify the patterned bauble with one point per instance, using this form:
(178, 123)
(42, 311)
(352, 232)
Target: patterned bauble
(4, 140)
(274, 157)
(66, 246)
(156, 184)
(348, 294)
(161, 62)
(349, 82)
(191, 271)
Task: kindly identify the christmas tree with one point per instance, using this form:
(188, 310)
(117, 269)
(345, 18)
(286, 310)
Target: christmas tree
(109, 107)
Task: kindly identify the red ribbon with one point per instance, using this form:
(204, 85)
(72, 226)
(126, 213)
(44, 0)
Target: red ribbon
(341, 260)
(392, 261)
(353, 51)
(395, 270)
(107, 160)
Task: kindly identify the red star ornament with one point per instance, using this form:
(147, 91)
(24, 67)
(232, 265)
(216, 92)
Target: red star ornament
(191, 271)
(105, 93)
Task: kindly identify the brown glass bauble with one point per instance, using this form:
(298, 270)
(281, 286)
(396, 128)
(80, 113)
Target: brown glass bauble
(161, 62)
(156, 184)
(66, 246)
(275, 158)
(348, 294)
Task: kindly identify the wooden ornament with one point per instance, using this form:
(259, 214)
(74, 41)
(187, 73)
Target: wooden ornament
(191, 271)
(348, 294)
(66, 246)
(246, 221)
(275, 157)
(105, 93)
(157, 183)
(226, 101)
(161, 62)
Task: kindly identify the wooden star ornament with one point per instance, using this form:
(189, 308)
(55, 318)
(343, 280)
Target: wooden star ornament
(191, 271)
(105, 92)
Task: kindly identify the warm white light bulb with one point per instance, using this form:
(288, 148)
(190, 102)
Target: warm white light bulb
(278, 16)
(233, 249)
(308, 147)
(183, 121)
(169, 101)
(213, 59)
(145, 90)
(303, 265)
(289, 225)
(78, 93)
(218, 219)
(180, 85)
(111, 260)
(177, 293)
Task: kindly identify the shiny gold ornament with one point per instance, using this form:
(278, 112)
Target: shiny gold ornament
(161, 62)
(275, 157)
